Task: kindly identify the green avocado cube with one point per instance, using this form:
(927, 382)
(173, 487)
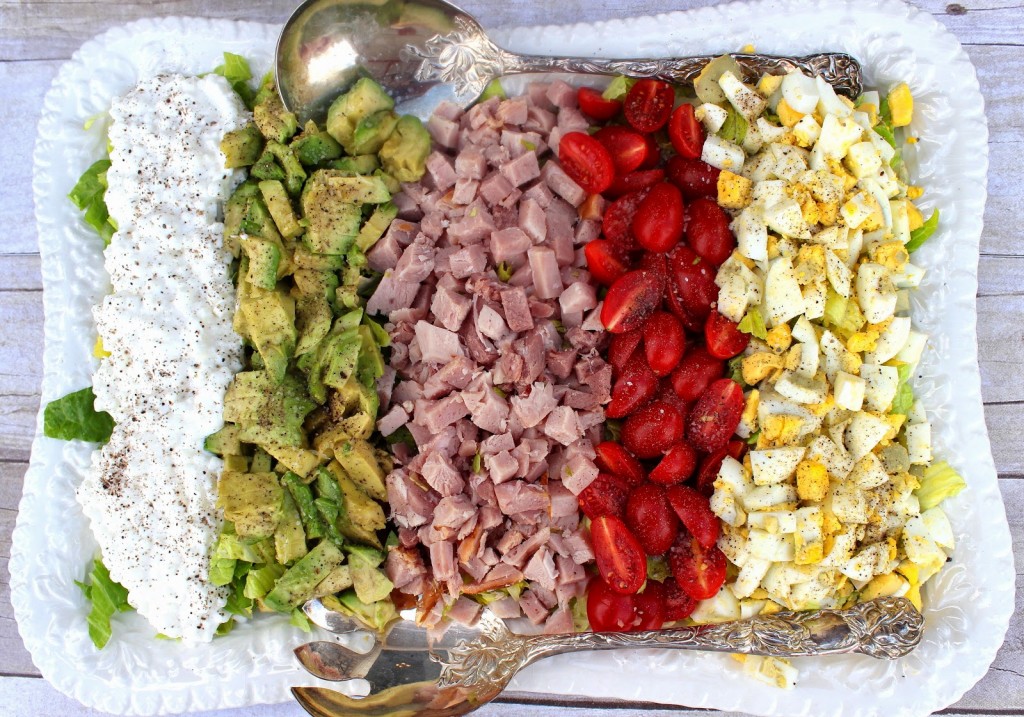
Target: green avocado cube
(264, 260)
(376, 225)
(371, 132)
(404, 155)
(337, 580)
(360, 164)
(299, 584)
(252, 501)
(241, 147)
(314, 147)
(274, 121)
(360, 464)
(280, 207)
(365, 98)
(270, 319)
(224, 442)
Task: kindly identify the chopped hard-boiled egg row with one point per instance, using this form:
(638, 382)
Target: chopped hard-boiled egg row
(822, 512)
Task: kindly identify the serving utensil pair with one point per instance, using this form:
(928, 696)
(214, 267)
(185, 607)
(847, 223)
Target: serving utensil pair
(424, 52)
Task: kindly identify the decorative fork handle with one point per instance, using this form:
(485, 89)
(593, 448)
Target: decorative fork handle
(467, 60)
(887, 628)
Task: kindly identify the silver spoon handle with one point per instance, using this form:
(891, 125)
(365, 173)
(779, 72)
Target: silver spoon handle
(838, 69)
(467, 60)
(886, 628)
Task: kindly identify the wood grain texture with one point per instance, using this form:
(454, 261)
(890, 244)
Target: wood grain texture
(36, 37)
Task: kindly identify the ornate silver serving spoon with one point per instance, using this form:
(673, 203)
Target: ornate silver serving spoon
(426, 51)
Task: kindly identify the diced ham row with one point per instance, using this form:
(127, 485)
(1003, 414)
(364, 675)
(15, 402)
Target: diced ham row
(495, 368)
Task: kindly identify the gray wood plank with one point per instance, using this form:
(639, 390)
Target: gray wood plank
(1000, 342)
(21, 355)
(22, 86)
(15, 658)
(1005, 427)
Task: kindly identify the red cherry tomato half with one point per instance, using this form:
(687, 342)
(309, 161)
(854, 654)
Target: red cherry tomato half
(675, 305)
(618, 220)
(723, 337)
(653, 153)
(631, 299)
(685, 132)
(594, 104)
(708, 232)
(693, 177)
(658, 224)
(678, 605)
(697, 370)
(676, 466)
(664, 342)
(650, 607)
(651, 518)
(694, 281)
(666, 394)
(620, 558)
(708, 471)
(648, 104)
(613, 458)
(700, 572)
(607, 610)
(606, 495)
(627, 147)
(715, 416)
(736, 448)
(653, 429)
(621, 348)
(586, 161)
(635, 182)
(604, 261)
(694, 510)
(635, 386)
(656, 263)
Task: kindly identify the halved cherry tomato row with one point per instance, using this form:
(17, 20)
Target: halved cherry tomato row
(676, 522)
(664, 236)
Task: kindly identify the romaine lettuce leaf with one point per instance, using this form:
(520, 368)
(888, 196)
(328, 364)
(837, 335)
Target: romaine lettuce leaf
(261, 581)
(734, 129)
(222, 570)
(618, 87)
(753, 323)
(88, 195)
(74, 418)
(107, 599)
(299, 620)
(924, 232)
(493, 89)
(237, 72)
(939, 482)
(904, 394)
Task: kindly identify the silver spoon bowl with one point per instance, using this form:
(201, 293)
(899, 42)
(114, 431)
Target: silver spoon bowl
(425, 51)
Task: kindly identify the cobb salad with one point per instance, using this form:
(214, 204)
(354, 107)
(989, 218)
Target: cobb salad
(750, 149)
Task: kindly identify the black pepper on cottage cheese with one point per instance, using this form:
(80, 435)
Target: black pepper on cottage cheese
(151, 492)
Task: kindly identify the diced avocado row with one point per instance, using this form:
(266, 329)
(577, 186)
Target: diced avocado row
(302, 480)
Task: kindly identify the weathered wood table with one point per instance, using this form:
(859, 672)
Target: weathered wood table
(36, 37)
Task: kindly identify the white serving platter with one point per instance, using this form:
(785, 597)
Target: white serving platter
(968, 605)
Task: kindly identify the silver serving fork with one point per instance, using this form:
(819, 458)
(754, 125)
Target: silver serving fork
(410, 674)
